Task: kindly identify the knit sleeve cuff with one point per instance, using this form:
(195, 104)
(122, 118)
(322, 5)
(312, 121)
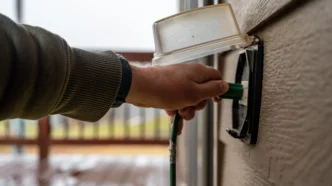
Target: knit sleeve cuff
(125, 82)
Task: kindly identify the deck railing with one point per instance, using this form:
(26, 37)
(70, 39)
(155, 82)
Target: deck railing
(124, 125)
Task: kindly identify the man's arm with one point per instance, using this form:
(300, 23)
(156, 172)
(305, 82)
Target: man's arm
(41, 75)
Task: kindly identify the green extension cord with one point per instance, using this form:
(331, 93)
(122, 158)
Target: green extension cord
(172, 148)
(235, 91)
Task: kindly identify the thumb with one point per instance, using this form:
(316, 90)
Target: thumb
(213, 88)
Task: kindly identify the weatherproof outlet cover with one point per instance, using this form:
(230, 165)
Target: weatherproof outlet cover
(197, 33)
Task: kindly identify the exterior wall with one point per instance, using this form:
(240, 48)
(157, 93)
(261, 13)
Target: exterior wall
(294, 145)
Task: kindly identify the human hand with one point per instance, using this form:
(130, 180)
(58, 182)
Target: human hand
(188, 113)
(184, 87)
(175, 87)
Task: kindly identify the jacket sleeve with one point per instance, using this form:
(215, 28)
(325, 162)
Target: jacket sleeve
(41, 75)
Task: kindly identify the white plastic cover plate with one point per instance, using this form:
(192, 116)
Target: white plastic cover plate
(197, 33)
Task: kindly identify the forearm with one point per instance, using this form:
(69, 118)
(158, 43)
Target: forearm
(41, 75)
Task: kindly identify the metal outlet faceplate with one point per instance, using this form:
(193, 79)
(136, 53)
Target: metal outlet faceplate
(246, 113)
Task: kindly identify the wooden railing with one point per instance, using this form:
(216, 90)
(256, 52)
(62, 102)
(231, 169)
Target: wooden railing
(125, 125)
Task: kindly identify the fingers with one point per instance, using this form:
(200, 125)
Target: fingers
(205, 73)
(187, 113)
(170, 112)
(212, 89)
(217, 99)
(211, 74)
(201, 105)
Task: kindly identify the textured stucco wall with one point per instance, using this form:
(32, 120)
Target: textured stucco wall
(295, 135)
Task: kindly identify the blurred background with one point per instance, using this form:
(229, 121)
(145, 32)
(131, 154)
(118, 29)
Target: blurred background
(129, 146)
(124, 25)
(72, 152)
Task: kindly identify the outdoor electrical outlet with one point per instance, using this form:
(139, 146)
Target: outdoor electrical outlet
(183, 37)
(246, 112)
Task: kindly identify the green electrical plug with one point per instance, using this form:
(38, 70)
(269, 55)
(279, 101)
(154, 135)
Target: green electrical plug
(235, 91)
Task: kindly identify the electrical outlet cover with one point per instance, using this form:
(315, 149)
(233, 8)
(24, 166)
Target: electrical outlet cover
(197, 33)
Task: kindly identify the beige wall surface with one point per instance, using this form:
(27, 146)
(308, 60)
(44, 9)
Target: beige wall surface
(252, 13)
(294, 145)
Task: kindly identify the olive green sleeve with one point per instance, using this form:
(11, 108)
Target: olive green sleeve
(41, 75)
